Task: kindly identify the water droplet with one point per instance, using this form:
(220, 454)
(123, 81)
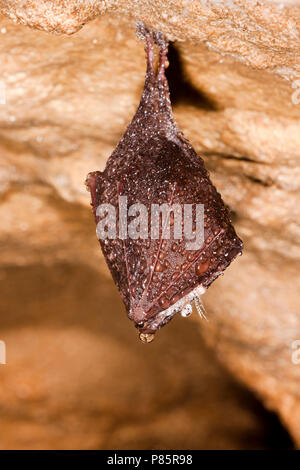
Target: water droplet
(175, 298)
(146, 337)
(201, 268)
(187, 310)
(164, 303)
(159, 267)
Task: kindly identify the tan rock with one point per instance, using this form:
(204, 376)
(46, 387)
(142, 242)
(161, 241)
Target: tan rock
(78, 378)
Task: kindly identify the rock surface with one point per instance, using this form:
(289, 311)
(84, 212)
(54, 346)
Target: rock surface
(68, 100)
(78, 378)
